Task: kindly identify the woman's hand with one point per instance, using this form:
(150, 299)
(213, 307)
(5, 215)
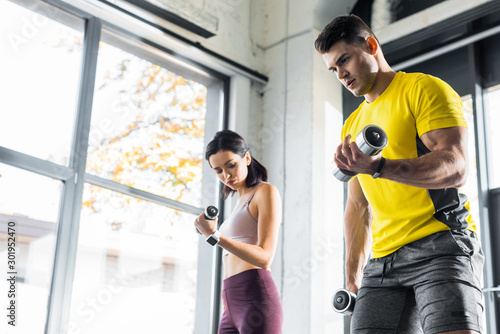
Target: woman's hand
(205, 226)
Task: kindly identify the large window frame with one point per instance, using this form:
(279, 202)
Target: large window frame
(74, 176)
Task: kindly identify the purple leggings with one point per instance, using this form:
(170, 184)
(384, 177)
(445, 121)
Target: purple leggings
(252, 304)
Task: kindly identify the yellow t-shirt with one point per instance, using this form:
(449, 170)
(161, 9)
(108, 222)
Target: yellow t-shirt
(412, 105)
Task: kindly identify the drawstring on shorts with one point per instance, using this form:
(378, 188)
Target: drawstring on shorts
(389, 258)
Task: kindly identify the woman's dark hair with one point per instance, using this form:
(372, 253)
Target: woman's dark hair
(349, 28)
(227, 140)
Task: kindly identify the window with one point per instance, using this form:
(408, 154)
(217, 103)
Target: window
(41, 57)
(471, 187)
(137, 261)
(137, 255)
(29, 206)
(492, 114)
(117, 242)
(148, 126)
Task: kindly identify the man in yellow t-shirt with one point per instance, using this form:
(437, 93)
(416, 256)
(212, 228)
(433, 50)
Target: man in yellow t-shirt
(403, 205)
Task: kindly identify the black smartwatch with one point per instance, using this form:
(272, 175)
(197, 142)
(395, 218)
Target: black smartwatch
(379, 169)
(214, 238)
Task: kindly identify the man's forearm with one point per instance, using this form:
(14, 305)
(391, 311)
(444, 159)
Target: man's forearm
(358, 245)
(435, 170)
(445, 166)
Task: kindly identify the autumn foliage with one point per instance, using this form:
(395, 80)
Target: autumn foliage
(147, 128)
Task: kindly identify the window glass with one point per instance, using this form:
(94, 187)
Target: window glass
(148, 126)
(471, 188)
(41, 59)
(492, 114)
(137, 261)
(29, 206)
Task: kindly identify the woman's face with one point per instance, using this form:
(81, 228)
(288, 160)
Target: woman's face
(231, 168)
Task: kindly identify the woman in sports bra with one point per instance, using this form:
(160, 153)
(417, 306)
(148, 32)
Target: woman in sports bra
(248, 238)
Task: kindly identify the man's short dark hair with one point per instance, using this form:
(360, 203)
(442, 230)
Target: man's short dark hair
(349, 28)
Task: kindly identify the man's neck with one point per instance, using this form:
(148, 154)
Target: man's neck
(383, 80)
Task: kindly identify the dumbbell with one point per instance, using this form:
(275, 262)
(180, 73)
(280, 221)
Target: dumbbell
(343, 301)
(211, 212)
(371, 140)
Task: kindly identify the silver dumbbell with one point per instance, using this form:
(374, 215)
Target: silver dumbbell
(210, 213)
(371, 140)
(343, 301)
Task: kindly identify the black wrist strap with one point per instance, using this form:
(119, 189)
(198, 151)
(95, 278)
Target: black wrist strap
(379, 168)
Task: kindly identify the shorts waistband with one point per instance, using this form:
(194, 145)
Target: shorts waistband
(245, 276)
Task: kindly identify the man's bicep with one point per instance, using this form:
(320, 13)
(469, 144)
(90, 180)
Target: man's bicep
(454, 138)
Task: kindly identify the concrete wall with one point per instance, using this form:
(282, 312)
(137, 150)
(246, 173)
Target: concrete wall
(289, 135)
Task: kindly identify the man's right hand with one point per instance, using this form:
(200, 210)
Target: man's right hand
(352, 287)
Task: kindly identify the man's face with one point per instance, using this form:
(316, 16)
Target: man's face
(354, 65)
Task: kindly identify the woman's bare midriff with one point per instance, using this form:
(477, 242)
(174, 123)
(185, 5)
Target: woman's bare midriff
(234, 265)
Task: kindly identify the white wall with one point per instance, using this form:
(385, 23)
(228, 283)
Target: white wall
(292, 144)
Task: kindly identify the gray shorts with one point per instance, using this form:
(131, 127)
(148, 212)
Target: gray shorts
(429, 286)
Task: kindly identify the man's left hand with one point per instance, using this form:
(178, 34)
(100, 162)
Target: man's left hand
(349, 157)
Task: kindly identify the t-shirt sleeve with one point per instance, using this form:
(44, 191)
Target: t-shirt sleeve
(435, 105)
